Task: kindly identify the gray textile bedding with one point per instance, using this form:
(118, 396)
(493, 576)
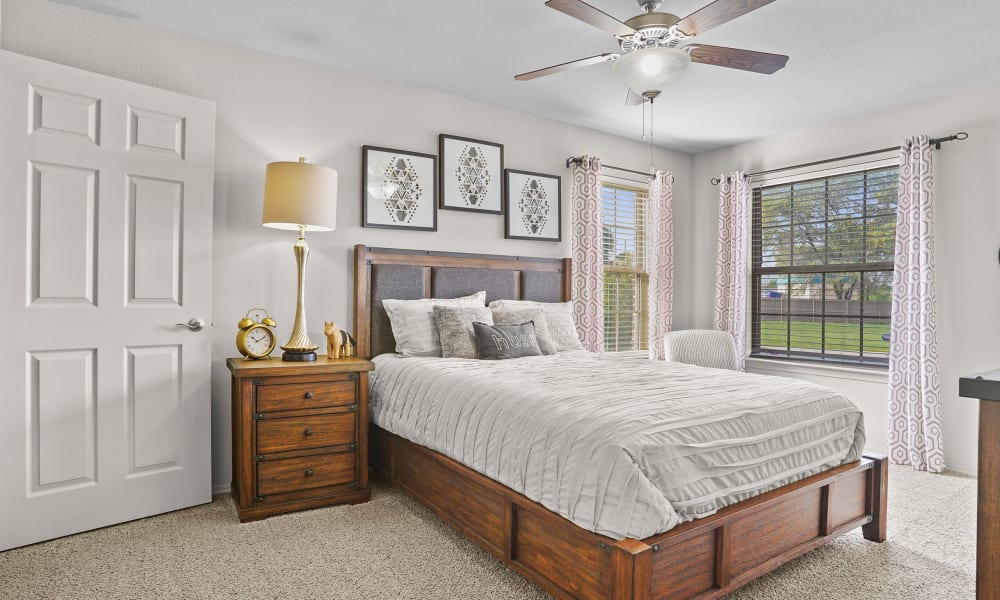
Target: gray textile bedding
(620, 445)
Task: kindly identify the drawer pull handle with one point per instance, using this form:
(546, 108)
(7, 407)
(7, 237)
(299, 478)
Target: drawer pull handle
(309, 395)
(308, 431)
(309, 472)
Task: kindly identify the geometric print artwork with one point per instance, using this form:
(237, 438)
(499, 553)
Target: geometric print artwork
(533, 206)
(659, 261)
(402, 190)
(731, 267)
(914, 427)
(587, 248)
(398, 189)
(473, 175)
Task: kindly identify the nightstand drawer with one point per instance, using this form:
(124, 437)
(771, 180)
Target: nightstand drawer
(295, 474)
(301, 433)
(294, 396)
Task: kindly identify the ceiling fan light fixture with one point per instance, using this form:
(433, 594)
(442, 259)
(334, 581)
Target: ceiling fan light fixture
(651, 70)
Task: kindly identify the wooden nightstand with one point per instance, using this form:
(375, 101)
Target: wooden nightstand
(300, 434)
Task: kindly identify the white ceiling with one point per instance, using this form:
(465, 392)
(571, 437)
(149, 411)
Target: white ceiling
(847, 57)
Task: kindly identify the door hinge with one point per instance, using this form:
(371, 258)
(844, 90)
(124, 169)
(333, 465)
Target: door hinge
(352, 376)
(259, 416)
(353, 446)
(260, 458)
(352, 407)
(259, 499)
(258, 381)
(353, 485)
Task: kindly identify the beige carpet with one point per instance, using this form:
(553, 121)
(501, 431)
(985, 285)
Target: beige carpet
(393, 548)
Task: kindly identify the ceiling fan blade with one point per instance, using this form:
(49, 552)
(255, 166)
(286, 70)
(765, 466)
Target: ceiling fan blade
(590, 15)
(717, 13)
(583, 62)
(633, 99)
(734, 58)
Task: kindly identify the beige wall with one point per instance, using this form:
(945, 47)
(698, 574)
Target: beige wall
(273, 108)
(968, 234)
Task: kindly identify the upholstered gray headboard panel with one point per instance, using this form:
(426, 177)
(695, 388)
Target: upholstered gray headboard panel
(410, 274)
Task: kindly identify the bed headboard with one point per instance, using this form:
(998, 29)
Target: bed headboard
(381, 273)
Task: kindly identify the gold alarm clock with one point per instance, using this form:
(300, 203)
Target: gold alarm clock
(256, 337)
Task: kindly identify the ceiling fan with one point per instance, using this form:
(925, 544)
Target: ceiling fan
(651, 56)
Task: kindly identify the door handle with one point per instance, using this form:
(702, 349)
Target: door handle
(195, 324)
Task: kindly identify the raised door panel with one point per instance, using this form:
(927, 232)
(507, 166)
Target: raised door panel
(154, 131)
(63, 415)
(62, 234)
(74, 116)
(153, 401)
(156, 231)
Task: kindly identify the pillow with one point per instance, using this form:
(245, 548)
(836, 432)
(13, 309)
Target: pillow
(498, 342)
(413, 325)
(454, 326)
(558, 319)
(514, 316)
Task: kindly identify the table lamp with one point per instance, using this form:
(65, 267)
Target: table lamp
(300, 196)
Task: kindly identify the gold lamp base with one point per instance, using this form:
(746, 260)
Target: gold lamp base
(299, 348)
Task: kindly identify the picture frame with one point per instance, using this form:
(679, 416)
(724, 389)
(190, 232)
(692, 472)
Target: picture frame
(399, 189)
(533, 206)
(471, 174)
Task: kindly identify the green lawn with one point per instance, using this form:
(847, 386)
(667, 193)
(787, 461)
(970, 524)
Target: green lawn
(839, 336)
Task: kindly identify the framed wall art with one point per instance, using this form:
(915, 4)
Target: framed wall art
(532, 205)
(398, 189)
(471, 174)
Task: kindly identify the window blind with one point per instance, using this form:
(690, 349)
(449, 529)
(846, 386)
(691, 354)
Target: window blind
(822, 267)
(625, 278)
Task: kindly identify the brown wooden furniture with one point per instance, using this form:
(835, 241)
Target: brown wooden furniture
(300, 434)
(986, 387)
(702, 559)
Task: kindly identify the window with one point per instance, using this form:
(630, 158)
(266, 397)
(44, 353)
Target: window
(822, 267)
(625, 278)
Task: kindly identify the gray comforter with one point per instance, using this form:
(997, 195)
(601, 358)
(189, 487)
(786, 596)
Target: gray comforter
(620, 445)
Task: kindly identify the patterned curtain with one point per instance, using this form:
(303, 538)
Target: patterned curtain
(659, 260)
(914, 381)
(588, 263)
(731, 271)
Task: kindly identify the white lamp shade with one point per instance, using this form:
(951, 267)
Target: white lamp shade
(300, 194)
(651, 70)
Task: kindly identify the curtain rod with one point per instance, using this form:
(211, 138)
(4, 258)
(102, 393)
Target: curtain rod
(936, 142)
(575, 160)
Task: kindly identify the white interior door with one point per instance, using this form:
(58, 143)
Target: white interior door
(106, 188)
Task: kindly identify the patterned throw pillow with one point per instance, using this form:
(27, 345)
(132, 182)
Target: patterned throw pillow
(515, 316)
(558, 318)
(498, 342)
(454, 325)
(413, 322)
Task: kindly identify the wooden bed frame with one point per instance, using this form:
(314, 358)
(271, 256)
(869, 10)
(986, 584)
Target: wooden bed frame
(701, 559)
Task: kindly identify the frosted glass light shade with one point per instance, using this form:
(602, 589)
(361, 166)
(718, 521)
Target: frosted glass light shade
(651, 70)
(298, 193)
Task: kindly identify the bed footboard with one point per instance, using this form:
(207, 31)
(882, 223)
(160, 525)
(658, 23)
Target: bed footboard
(700, 560)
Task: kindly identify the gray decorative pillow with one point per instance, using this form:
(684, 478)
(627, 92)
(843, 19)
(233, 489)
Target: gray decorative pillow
(413, 324)
(454, 325)
(558, 318)
(515, 316)
(498, 342)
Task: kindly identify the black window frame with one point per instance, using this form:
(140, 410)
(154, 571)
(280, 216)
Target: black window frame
(758, 272)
